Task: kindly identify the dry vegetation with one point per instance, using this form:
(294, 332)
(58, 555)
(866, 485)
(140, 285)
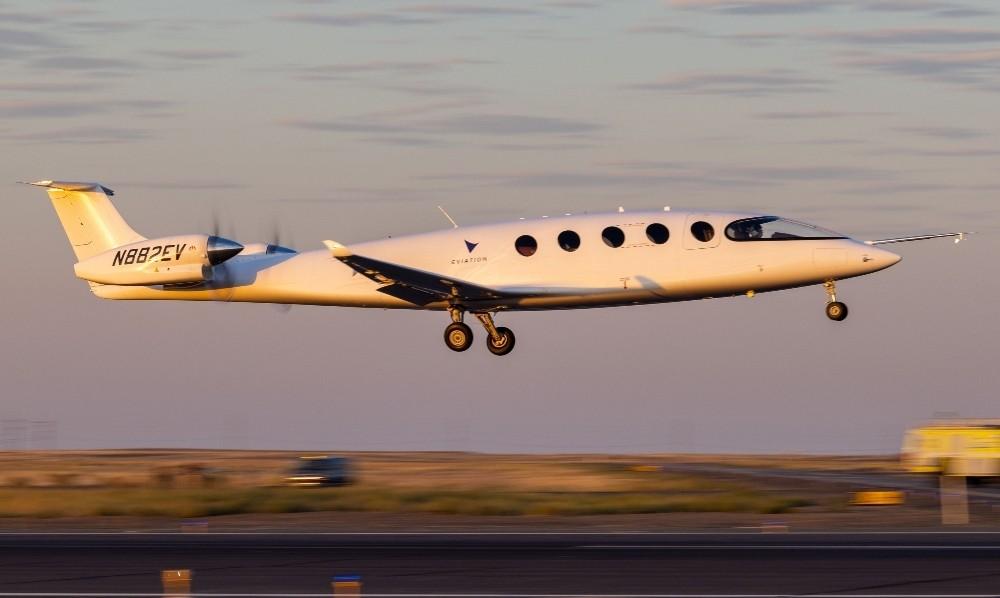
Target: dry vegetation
(206, 483)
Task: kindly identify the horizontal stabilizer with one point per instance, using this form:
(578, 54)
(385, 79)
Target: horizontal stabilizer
(72, 186)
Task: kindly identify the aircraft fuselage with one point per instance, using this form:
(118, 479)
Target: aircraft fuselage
(562, 272)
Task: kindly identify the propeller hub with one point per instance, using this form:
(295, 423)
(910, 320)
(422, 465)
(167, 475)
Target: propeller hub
(220, 249)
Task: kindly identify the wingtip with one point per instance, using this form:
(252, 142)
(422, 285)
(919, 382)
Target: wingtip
(336, 249)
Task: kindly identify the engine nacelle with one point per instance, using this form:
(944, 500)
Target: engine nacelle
(168, 260)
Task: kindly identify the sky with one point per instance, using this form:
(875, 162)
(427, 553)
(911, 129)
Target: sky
(313, 120)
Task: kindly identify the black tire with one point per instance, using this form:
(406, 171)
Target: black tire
(836, 311)
(505, 344)
(458, 336)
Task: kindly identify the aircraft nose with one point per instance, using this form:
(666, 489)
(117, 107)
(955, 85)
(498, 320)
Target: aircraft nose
(879, 259)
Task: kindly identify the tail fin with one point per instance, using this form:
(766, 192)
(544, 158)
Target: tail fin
(90, 220)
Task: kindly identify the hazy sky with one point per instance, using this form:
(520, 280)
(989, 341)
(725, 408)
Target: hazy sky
(353, 120)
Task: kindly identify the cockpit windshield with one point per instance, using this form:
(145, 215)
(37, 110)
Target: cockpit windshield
(772, 228)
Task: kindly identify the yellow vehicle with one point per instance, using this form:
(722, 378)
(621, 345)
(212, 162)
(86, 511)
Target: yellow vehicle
(956, 447)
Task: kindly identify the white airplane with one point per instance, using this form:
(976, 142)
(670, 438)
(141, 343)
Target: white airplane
(568, 262)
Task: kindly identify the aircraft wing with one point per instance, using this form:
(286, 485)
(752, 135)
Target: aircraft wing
(410, 284)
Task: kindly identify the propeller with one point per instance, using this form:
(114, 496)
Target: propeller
(222, 245)
(275, 245)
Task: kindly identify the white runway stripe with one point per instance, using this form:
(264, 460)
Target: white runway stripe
(481, 595)
(781, 547)
(734, 532)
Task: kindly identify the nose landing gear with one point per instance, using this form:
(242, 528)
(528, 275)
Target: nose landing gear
(458, 335)
(835, 310)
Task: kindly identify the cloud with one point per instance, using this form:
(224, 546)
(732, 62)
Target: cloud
(470, 9)
(82, 135)
(46, 109)
(196, 55)
(393, 67)
(51, 87)
(405, 141)
(419, 109)
(106, 26)
(883, 37)
(84, 63)
(73, 108)
(428, 88)
(540, 147)
(355, 19)
(663, 28)
(978, 68)
(762, 174)
(808, 173)
(811, 114)
(756, 7)
(655, 174)
(410, 14)
(573, 3)
(27, 38)
(8, 16)
(339, 126)
(941, 153)
(795, 7)
(930, 7)
(942, 132)
(181, 185)
(466, 124)
(511, 124)
(745, 83)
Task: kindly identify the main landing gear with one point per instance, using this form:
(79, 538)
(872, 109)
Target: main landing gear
(835, 310)
(458, 335)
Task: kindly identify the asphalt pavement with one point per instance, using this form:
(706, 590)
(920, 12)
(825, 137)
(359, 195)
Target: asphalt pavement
(585, 564)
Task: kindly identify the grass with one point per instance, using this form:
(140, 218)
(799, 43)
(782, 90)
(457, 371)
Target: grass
(152, 482)
(87, 502)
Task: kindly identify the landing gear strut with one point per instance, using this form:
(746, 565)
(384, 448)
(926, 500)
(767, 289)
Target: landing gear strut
(458, 335)
(835, 310)
(500, 340)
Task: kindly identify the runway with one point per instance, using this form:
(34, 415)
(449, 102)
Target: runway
(583, 564)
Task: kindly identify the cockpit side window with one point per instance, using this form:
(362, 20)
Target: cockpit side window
(772, 228)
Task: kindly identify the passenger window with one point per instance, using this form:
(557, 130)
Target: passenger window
(613, 236)
(657, 233)
(569, 240)
(702, 231)
(526, 245)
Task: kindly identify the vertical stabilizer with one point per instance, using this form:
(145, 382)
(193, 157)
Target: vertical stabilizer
(92, 223)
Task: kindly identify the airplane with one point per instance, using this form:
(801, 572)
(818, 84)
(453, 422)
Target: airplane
(566, 262)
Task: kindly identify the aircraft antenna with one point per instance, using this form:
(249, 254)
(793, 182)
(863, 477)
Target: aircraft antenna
(450, 219)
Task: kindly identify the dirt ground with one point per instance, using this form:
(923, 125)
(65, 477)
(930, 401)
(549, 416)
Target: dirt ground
(824, 486)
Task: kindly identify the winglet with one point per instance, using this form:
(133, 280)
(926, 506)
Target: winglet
(337, 250)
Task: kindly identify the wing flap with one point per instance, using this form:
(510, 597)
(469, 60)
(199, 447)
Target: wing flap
(410, 284)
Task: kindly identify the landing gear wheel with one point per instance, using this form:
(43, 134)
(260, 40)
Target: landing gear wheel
(458, 336)
(836, 311)
(504, 344)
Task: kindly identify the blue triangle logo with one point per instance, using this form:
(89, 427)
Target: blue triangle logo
(470, 245)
